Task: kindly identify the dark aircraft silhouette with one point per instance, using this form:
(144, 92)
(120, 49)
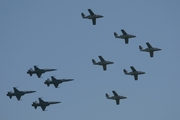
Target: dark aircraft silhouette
(43, 104)
(38, 71)
(92, 16)
(124, 36)
(103, 62)
(18, 93)
(55, 81)
(150, 49)
(134, 72)
(115, 97)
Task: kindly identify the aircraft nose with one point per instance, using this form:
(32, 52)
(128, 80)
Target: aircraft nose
(53, 69)
(56, 102)
(124, 97)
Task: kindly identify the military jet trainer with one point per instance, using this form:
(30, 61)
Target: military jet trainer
(103, 62)
(92, 16)
(134, 72)
(124, 36)
(43, 104)
(18, 93)
(38, 71)
(55, 81)
(115, 97)
(150, 49)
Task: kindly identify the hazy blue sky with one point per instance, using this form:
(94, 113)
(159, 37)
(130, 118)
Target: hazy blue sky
(52, 34)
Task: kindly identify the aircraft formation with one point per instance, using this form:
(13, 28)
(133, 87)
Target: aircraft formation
(126, 36)
(43, 104)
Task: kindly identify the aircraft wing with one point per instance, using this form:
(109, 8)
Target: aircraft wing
(43, 107)
(149, 45)
(41, 101)
(94, 21)
(117, 101)
(114, 92)
(101, 58)
(15, 89)
(18, 97)
(104, 67)
(91, 12)
(151, 54)
(36, 68)
(39, 74)
(133, 69)
(136, 77)
(53, 78)
(124, 32)
(56, 85)
(126, 40)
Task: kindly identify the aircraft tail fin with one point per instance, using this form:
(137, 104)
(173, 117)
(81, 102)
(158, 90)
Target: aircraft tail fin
(47, 82)
(125, 71)
(83, 15)
(115, 34)
(9, 94)
(34, 105)
(107, 96)
(93, 61)
(30, 71)
(140, 48)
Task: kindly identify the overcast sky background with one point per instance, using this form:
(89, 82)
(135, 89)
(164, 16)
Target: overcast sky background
(52, 34)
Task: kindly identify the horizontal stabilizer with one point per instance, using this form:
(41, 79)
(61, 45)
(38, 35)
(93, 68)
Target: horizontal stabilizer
(83, 15)
(107, 96)
(125, 71)
(9, 94)
(29, 72)
(93, 61)
(35, 106)
(140, 48)
(115, 34)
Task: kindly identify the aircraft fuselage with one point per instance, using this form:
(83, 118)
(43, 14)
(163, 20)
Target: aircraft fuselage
(117, 97)
(126, 36)
(151, 49)
(93, 16)
(136, 73)
(104, 63)
(21, 93)
(44, 103)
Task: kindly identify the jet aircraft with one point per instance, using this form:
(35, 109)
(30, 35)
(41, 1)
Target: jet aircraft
(38, 71)
(55, 81)
(125, 36)
(134, 72)
(18, 93)
(103, 62)
(43, 104)
(115, 97)
(150, 49)
(92, 16)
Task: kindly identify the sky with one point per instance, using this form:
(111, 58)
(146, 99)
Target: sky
(52, 34)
